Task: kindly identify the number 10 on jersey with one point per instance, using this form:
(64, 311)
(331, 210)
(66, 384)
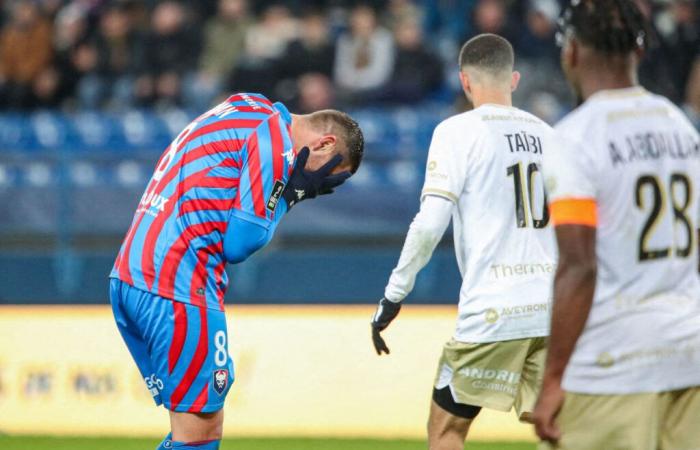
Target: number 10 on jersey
(525, 211)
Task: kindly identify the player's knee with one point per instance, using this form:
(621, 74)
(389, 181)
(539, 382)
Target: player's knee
(195, 427)
(214, 424)
(215, 427)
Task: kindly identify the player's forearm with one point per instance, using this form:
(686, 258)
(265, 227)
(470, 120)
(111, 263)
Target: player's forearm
(424, 234)
(574, 285)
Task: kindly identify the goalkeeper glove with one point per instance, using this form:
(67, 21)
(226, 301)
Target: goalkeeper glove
(304, 184)
(386, 312)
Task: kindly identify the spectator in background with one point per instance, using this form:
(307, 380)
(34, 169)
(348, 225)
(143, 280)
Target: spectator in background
(265, 43)
(491, 16)
(224, 43)
(535, 41)
(170, 53)
(687, 69)
(70, 31)
(683, 42)
(364, 56)
(315, 93)
(417, 71)
(449, 18)
(655, 72)
(692, 95)
(25, 54)
(267, 39)
(110, 79)
(399, 11)
(313, 51)
(50, 8)
(542, 84)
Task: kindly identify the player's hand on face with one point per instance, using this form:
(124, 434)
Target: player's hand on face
(304, 184)
(386, 312)
(548, 405)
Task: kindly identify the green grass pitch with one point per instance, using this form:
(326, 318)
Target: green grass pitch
(113, 443)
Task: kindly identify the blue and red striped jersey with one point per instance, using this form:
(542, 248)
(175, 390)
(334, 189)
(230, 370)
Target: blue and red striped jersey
(233, 159)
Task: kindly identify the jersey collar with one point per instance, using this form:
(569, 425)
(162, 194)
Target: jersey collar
(284, 112)
(633, 91)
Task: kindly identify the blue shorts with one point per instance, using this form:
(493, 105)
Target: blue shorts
(180, 349)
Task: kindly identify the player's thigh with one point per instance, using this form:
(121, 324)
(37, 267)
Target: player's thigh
(611, 422)
(531, 379)
(680, 427)
(195, 363)
(442, 422)
(124, 299)
(483, 374)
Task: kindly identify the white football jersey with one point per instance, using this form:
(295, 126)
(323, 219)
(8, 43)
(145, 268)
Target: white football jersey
(488, 163)
(637, 157)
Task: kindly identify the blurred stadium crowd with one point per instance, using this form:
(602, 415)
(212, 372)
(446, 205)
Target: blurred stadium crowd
(120, 54)
(92, 91)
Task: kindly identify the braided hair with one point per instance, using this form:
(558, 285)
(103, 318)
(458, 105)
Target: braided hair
(614, 27)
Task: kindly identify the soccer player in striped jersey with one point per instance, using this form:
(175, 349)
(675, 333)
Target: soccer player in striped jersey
(623, 366)
(217, 195)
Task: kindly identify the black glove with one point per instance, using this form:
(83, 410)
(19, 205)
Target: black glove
(304, 184)
(386, 312)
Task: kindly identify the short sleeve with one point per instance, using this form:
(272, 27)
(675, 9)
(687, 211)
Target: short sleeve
(569, 174)
(265, 168)
(444, 175)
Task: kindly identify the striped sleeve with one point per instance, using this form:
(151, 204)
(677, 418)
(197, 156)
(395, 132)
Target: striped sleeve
(264, 173)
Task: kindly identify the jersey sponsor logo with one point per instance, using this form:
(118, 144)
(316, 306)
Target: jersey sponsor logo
(493, 386)
(477, 373)
(274, 199)
(153, 384)
(523, 269)
(434, 174)
(515, 312)
(220, 381)
(151, 200)
(605, 360)
(681, 353)
(289, 156)
(491, 316)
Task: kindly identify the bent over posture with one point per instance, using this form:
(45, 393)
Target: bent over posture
(217, 195)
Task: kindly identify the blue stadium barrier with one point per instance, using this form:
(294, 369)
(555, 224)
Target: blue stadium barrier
(330, 275)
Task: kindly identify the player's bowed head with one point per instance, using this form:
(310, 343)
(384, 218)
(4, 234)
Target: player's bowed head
(331, 148)
(486, 70)
(328, 133)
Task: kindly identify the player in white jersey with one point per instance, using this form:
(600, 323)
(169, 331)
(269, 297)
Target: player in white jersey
(483, 172)
(623, 369)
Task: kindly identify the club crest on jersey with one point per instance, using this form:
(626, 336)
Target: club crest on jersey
(277, 190)
(220, 381)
